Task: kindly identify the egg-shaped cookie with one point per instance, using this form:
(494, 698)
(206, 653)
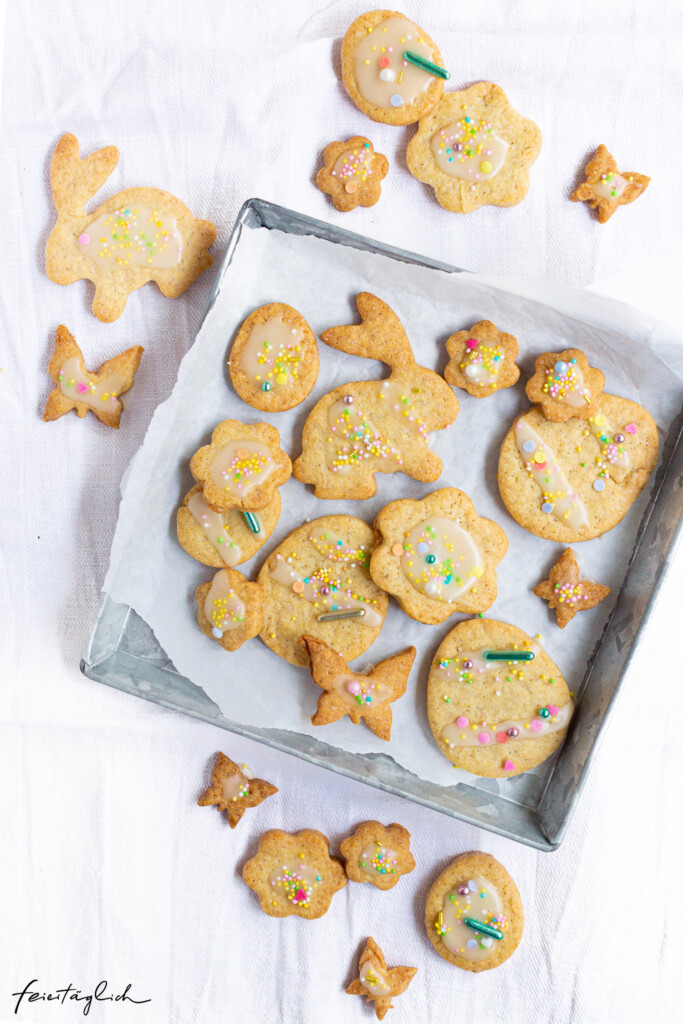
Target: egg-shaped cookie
(437, 556)
(377, 76)
(574, 480)
(473, 914)
(223, 539)
(317, 583)
(497, 704)
(274, 358)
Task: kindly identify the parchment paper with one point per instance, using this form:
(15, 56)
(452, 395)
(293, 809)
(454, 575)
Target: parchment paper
(641, 359)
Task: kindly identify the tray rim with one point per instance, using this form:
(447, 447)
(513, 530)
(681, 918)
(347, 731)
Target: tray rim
(549, 836)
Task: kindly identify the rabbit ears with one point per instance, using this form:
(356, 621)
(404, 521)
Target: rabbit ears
(75, 181)
(379, 336)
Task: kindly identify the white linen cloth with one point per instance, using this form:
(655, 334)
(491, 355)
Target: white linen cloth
(108, 869)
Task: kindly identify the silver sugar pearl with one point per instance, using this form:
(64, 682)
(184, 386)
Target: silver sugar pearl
(348, 399)
(513, 732)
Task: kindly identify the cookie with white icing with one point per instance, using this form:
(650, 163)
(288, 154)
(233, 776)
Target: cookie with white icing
(437, 556)
(234, 788)
(378, 854)
(605, 189)
(352, 173)
(482, 360)
(242, 467)
(223, 539)
(374, 426)
(378, 982)
(96, 391)
(564, 385)
(473, 914)
(575, 479)
(497, 704)
(474, 150)
(139, 235)
(317, 582)
(274, 358)
(377, 76)
(293, 873)
(229, 609)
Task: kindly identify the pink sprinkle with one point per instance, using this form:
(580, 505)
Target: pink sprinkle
(484, 737)
(471, 343)
(354, 687)
(82, 388)
(631, 428)
(536, 725)
(502, 737)
(508, 766)
(553, 709)
(300, 895)
(84, 238)
(462, 722)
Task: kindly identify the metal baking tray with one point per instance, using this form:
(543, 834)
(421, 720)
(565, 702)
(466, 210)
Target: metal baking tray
(534, 809)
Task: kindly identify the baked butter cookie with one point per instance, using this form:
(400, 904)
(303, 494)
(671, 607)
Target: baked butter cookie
(475, 150)
(317, 583)
(274, 358)
(575, 479)
(497, 705)
(242, 467)
(374, 426)
(377, 982)
(234, 788)
(97, 391)
(564, 385)
(223, 539)
(139, 235)
(229, 609)
(482, 360)
(605, 189)
(352, 173)
(391, 69)
(473, 915)
(363, 696)
(293, 873)
(437, 556)
(378, 854)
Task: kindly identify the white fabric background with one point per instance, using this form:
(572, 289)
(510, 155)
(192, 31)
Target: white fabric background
(107, 866)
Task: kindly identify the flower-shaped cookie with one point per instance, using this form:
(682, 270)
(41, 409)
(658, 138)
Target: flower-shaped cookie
(83, 390)
(242, 466)
(359, 695)
(293, 873)
(352, 174)
(379, 76)
(234, 788)
(605, 188)
(437, 556)
(565, 386)
(566, 592)
(376, 981)
(482, 360)
(474, 150)
(230, 608)
(378, 854)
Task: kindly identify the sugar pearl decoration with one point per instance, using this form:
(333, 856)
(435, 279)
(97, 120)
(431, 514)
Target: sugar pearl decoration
(348, 399)
(387, 75)
(396, 100)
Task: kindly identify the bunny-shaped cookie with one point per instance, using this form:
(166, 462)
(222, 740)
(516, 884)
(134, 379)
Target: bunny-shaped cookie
(139, 235)
(374, 426)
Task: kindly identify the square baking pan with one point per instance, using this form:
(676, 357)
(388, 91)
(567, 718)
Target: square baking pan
(533, 808)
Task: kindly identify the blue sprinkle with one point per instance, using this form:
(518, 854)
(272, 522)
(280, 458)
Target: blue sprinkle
(547, 507)
(599, 484)
(528, 446)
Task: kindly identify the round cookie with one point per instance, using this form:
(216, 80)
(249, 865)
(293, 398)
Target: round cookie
(229, 609)
(437, 556)
(222, 538)
(574, 480)
(380, 82)
(477, 887)
(500, 718)
(320, 568)
(378, 854)
(474, 150)
(274, 358)
(352, 173)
